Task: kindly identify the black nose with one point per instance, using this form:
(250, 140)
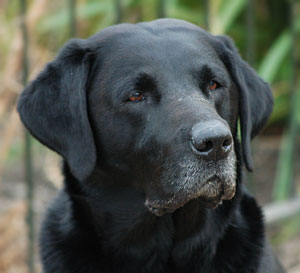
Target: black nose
(211, 140)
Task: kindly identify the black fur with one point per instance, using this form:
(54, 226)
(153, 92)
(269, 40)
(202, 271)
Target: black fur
(127, 162)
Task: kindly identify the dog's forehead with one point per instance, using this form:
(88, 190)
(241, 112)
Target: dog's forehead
(164, 39)
(156, 27)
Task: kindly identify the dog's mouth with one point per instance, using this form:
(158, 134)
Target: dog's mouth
(210, 194)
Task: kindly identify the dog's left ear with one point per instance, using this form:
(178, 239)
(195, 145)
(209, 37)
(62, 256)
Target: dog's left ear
(255, 101)
(53, 108)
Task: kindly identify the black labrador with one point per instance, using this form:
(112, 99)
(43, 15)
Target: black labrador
(146, 119)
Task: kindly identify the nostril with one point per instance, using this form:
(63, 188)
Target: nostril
(227, 144)
(203, 146)
(207, 146)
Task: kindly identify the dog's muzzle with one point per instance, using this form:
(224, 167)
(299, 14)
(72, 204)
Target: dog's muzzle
(210, 194)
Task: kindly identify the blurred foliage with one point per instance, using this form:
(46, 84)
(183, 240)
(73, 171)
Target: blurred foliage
(49, 27)
(272, 37)
(285, 230)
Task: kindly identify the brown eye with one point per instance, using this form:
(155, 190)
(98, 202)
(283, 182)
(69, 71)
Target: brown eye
(137, 96)
(213, 85)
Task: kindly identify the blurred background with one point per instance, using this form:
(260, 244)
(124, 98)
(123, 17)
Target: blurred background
(32, 31)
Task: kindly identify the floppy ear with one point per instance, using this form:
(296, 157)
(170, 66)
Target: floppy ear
(256, 100)
(54, 108)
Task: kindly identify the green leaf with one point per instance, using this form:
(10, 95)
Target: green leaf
(221, 21)
(84, 11)
(229, 12)
(273, 59)
(271, 63)
(284, 175)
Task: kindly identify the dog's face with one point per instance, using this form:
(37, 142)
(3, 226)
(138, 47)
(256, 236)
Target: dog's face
(156, 105)
(163, 116)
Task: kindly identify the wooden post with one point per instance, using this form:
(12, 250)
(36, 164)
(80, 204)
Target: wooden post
(206, 13)
(72, 9)
(28, 151)
(161, 11)
(284, 182)
(118, 9)
(293, 124)
(250, 51)
(250, 57)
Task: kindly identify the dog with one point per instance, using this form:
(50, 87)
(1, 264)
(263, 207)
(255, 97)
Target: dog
(145, 117)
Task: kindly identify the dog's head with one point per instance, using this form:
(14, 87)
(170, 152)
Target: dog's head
(153, 106)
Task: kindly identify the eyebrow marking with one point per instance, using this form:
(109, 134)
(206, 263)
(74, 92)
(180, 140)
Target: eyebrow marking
(145, 82)
(207, 73)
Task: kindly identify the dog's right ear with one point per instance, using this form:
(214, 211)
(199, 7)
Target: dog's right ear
(54, 108)
(255, 96)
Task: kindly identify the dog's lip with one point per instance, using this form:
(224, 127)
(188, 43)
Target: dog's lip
(158, 210)
(161, 207)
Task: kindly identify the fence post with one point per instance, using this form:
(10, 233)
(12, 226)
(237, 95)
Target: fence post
(250, 57)
(118, 9)
(293, 125)
(206, 13)
(284, 182)
(73, 27)
(250, 50)
(161, 9)
(28, 151)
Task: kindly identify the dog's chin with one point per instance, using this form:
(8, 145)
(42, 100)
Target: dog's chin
(210, 195)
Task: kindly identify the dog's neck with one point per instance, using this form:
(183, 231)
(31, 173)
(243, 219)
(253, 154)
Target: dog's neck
(119, 218)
